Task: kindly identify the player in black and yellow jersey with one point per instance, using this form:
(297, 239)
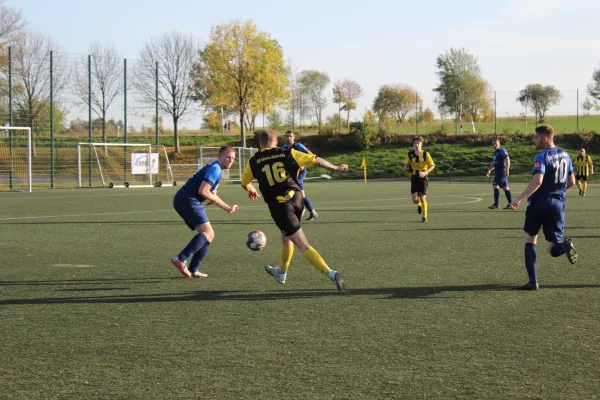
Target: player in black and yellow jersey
(419, 163)
(276, 171)
(583, 169)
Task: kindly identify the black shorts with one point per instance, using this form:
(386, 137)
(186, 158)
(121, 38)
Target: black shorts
(287, 215)
(581, 178)
(418, 184)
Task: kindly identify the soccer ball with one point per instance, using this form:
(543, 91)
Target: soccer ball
(256, 240)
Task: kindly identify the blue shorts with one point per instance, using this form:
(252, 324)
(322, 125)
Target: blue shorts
(500, 180)
(301, 177)
(190, 209)
(548, 213)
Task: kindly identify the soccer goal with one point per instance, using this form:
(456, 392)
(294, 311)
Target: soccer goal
(123, 165)
(15, 159)
(208, 154)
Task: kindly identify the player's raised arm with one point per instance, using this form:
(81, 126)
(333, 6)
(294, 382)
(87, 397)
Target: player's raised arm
(205, 192)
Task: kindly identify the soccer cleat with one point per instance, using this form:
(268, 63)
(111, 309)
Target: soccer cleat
(424, 219)
(276, 273)
(530, 286)
(199, 274)
(181, 266)
(419, 209)
(493, 206)
(312, 216)
(336, 278)
(580, 192)
(507, 207)
(570, 250)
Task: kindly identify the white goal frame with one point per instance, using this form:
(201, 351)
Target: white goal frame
(29, 158)
(147, 146)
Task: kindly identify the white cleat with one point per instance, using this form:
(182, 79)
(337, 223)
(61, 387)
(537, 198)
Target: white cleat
(276, 273)
(199, 274)
(336, 277)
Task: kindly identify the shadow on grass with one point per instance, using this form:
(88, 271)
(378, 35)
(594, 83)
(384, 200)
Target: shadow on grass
(482, 229)
(239, 295)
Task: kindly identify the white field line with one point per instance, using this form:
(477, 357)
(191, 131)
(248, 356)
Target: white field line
(471, 197)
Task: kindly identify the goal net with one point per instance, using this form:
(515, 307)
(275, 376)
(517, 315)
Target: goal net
(15, 159)
(206, 155)
(123, 165)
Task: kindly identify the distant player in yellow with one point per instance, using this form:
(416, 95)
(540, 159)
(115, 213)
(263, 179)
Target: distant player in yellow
(583, 168)
(419, 163)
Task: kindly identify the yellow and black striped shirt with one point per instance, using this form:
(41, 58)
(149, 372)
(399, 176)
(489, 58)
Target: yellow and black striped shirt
(418, 162)
(582, 165)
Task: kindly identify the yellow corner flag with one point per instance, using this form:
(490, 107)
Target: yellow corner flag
(363, 165)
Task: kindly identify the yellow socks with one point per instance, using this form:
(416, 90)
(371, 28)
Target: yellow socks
(424, 207)
(584, 187)
(579, 185)
(316, 260)
(285, 258)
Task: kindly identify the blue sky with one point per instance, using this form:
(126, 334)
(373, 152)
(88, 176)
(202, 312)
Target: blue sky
(373, 42)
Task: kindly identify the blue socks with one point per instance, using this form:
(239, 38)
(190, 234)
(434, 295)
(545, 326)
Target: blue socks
(530, 261)
(198, 257)
(496, 196)
(508, 196)
(193, 246)
(557, 250)
(308, 205)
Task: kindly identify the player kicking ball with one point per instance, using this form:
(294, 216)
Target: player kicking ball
(273, 168)
(202, 186)
(546, 195)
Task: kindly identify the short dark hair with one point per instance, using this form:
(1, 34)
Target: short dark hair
(496, 139)
(266, 137)
(290, 131)
(545, 130)
(417, 139)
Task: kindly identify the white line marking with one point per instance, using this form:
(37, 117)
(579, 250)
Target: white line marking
(263, 206)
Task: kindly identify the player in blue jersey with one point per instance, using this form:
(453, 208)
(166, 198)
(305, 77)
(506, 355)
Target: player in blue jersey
(292, 144)
(202, 186)
(501, 164)
(546, 195)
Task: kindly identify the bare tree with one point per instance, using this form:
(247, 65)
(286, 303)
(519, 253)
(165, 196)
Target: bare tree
(349, 91)
(32, 74)
(11, 24)
(176, 54)
(106, 73)
(313, 83)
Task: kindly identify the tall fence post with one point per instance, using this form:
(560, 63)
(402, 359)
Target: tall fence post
(417, 112)
(124, 119)
(90, 118)
(156, 101)
(495, 114)
(10, 122)
(51, 123)
(577, 110)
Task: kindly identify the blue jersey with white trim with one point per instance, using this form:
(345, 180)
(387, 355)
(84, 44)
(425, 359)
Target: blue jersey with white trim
(296, 146)
(556, 166)
(210, 173)
(500, 157)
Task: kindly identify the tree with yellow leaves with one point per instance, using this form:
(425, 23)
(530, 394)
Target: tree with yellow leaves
(241, 68)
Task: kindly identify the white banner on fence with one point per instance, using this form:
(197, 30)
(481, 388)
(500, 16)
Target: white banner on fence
(139, 163)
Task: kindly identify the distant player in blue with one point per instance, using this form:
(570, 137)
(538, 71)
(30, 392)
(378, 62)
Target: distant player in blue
(546, 195)
(292, 144)
(188, 204)
(501, 164)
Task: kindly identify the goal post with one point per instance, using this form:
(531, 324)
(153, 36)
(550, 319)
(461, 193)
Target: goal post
(15, 159)
(123, 165)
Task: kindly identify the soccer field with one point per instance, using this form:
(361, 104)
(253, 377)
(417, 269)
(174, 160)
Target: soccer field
(91, 307)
